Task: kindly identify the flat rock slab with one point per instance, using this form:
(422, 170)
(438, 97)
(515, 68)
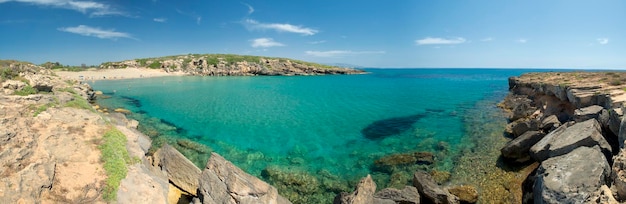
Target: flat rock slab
(586, 113)
(565, 139)
(180, 171)
(571, 178)
(518, 148)
(408, 195)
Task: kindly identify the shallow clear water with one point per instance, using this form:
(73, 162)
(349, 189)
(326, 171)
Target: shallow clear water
(338, 124)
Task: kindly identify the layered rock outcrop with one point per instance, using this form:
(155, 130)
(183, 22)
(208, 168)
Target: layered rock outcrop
(570, 123)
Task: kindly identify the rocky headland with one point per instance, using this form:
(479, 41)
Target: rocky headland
(571, 126)
(230, 65)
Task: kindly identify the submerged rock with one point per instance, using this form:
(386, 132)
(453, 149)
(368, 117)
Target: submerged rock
(571, 178)
(405, 159)
(392, 126)
(223, 182)
(466, 194)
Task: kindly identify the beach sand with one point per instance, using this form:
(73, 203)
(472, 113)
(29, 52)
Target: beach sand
(113, 74)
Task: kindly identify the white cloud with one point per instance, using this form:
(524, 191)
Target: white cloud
(522, 40)
(487, 39)
(440, 41)
(95, 32)
(340, 53)
(255, 25)
(91, 7)
(265, 42)
(198, 20)
(317, 42)
(603, 41)
(160, 20)
(250, 8)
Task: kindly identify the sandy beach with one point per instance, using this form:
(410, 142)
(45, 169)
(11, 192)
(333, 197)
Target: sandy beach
(114, 74)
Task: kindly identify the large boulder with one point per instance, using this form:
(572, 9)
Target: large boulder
(408, 195)
(586, 113)
(180, 171)
(518, 148)
(40, 82)
(549, 123)
(428, 188)
(565, 139)
(223, 182)
(571, 178)
(523, 125)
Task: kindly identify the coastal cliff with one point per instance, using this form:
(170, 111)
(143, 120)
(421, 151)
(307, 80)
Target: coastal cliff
(572, 125)
(230, 65)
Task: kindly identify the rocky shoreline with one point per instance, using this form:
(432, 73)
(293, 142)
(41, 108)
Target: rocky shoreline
(572, 125)
(568, 126)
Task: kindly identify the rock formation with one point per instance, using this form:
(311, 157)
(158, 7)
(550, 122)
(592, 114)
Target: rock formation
(223, 182)
(572, 123)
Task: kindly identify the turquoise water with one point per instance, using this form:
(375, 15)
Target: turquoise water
(337, 124)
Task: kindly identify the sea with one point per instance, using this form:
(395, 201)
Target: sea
(315, 136)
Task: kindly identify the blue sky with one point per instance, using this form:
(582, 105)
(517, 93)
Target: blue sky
(401, 33)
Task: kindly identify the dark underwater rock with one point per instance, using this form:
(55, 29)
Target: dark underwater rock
(392, 126)
(405, 159)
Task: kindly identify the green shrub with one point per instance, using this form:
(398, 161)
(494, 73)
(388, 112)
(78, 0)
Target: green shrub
(7, 73)
(27, 90)
(115, 158)
(155, 65)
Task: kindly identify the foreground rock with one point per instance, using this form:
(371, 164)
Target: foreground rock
(180, 171)
(365, 194)
(618, 174)
(428, 188)
(223, 182)
(565, 139)
(572, 177)
(408, 195)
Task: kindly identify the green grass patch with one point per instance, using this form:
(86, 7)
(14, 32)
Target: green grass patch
(115, 158)
(42, 108)
(27, 90)
(79, 102)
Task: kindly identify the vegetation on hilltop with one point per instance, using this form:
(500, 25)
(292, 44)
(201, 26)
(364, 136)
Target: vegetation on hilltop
(210, 59)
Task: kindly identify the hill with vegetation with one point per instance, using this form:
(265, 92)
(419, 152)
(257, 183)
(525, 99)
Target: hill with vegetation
(230, 65)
